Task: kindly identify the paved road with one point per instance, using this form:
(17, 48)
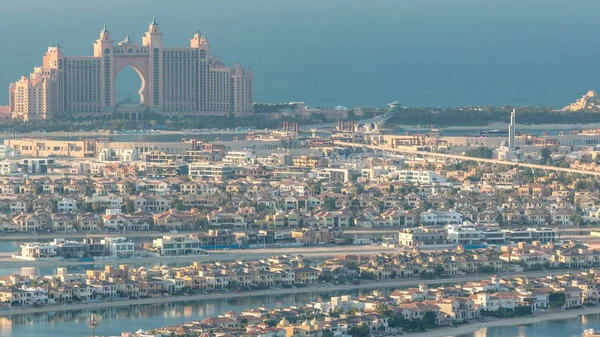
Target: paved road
(156, 234)
(334, 124)
(466, 158)
(144, 234)
(230, 255)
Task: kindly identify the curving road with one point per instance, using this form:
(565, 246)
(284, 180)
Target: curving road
(466, 158)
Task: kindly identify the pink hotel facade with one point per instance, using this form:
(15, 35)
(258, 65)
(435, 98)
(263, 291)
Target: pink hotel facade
(175, 81)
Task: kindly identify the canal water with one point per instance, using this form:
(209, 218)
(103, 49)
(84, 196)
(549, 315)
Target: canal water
(115, 320)
(13, 246)
(571, 327)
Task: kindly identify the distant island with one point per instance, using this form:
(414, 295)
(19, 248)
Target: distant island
(412, 116)
(272, 115)
(483, 116)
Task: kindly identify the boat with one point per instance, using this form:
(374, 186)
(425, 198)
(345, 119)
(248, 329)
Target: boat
(493, 133)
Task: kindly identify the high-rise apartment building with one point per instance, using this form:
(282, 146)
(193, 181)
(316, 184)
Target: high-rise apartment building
(511, 130)
(34, 97)
(175, 81)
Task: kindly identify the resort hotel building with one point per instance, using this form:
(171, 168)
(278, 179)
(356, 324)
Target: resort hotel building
(174, 81)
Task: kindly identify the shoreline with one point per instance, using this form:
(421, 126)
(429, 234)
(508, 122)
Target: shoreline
(315, 288)
(438, 332)
(201, 297)
(497, 125)
(474, 327)
(120, 133)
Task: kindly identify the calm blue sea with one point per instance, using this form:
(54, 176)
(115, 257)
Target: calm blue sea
(331, 52)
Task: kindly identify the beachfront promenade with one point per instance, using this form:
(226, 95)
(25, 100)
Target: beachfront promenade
(425, 154)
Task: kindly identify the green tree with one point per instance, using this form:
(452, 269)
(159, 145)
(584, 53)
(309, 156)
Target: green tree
(201, 223)
(362, 330)
(329, 203)
(590, 277)
(425, 275)
(336, 313)
(523, 310)
(500, 220)
(429, 319)
(87, 207)
(328, 278)
(368, 275)
(314, 188)
(353, 311)
(557, 299)
(96, 207)
(486, 270)
(178, 204)
(129, 206)
(382, 309)
(546, 154)
(480, 152)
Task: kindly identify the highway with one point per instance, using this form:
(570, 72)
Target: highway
(466, 158)
(377, 119)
